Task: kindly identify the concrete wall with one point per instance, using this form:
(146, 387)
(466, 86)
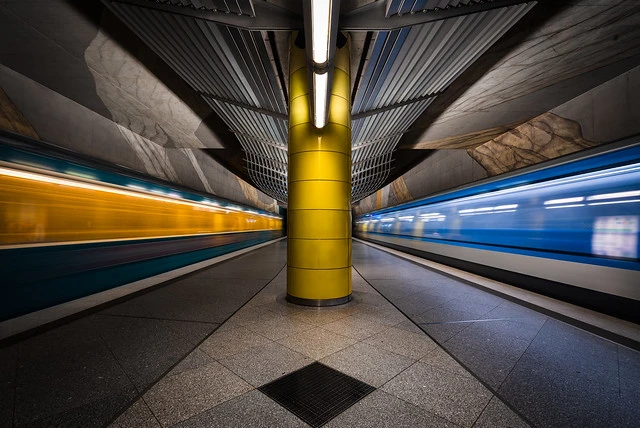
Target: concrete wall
(606, 113)
(444, 169)
(61, 121)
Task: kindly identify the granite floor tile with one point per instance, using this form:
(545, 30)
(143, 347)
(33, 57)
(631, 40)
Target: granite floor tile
(470, 305)
(439, 359)
(550, 398)
(266, 297)
(194, 360)
(629, 409)
(629, 366)
(355, 328)
(387, 314)
(408, 325)
(89, 414)
(138, 415)
(491, 367)
(253, 409)
(193, 332)
(321, 316)
(181, 396)
(517, 313)
(459, 399)
(278, 328)
(370, 299)
(441, 332)
(7, 403)
(394, 289)
(421, 302)
(368, 363)
(505, 327)
(281, 307)
(317, 343)
(228, 342)
(478, 296)
(248, 315)
(145, 348)
(380, 409)
(81, 385)
(498, 415)
(195, 302)
(567, 349)
(266, 363)
(488, 355)
(445, 314)
(412, 345)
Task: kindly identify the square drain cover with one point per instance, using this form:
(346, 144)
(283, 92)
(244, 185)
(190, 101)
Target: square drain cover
(316, 393)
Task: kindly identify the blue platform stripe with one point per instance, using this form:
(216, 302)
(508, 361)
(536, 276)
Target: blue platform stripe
(30, 293)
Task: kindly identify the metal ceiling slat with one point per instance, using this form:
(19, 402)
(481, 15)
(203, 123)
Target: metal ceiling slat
(144, 28)
(394, 47)
(194, 47)
(234, 79)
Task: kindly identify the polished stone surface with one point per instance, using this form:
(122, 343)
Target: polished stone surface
(498, 365)
(549, 372)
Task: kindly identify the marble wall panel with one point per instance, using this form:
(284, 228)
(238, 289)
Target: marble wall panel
(545, 137)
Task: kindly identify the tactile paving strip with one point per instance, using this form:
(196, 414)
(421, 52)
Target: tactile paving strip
(316, 393)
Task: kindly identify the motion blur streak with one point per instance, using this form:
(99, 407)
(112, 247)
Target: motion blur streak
(39, 208)
(570, 230)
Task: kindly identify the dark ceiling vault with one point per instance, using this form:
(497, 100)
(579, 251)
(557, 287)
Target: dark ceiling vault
(411, 61)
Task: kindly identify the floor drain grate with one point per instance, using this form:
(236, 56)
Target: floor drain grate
(316, 393)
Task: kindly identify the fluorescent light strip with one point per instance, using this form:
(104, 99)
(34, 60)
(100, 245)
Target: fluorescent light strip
(632, 193)
(99, 188)
(564, 206)
(320, 20)
(625, 201)
(564, 201)
(320, 82)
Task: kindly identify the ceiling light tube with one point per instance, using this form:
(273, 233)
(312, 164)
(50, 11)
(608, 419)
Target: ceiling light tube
(320, 30)
(320, 82)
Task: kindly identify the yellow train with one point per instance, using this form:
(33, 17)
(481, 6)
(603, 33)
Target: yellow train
(37, 207)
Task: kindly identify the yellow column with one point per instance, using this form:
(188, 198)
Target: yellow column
(319, 205)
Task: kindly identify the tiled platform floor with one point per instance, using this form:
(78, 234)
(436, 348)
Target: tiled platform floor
(146, 361)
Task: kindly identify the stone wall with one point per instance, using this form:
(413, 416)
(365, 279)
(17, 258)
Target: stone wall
(604, 114)
(42, 113)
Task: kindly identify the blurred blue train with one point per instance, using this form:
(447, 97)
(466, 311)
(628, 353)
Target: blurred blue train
(570, 230)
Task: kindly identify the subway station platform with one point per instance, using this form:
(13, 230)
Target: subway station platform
(421, 347)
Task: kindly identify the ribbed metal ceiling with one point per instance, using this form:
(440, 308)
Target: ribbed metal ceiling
(415, 63)
(234, 72)
(400, 7)
(238, 7)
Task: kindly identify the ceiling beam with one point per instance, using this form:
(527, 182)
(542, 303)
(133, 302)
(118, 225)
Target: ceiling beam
(372, 16)
(269, 17)
(368, 113)
(260, 110)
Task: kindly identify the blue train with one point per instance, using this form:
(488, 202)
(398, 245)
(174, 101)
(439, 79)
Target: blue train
(570, 229)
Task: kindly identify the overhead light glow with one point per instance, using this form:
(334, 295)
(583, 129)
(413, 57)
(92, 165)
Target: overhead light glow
(632, 193)
(564, 200)
(173, 198)
(320, 82)
(320, 17)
